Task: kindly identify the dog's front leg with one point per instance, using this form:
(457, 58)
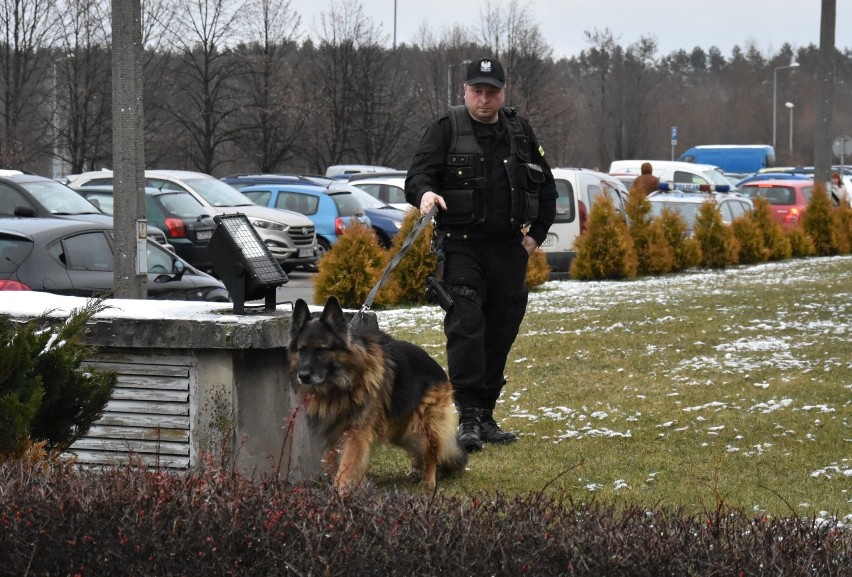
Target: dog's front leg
(353, 460)
(329, 462)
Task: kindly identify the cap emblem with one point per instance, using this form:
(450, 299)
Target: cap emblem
(485, 66)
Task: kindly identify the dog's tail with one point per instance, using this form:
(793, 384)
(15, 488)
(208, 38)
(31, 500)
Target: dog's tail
(454, 461)
(451, 457)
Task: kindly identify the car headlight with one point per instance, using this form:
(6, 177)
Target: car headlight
(269, 225)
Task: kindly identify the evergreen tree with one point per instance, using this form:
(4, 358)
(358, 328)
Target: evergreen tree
(719, 247)
(605, 249)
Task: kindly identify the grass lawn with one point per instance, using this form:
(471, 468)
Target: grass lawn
(689, 390)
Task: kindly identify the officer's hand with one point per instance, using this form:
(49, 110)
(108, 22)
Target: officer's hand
(430, 199)
(529, 244)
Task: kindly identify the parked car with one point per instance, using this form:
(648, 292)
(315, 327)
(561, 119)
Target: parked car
(808, 172)
(290, 236)
(187, 224)
(75, 258)
(578, 189)
(331, 212)
(385, 219)
(240, 181)
(388, 189)
(788, 198)
(344, 171)
(686, 199)
(770, 176)
(671, 171)
(28, 195)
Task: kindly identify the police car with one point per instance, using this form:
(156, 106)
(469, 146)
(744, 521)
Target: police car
(686, 199)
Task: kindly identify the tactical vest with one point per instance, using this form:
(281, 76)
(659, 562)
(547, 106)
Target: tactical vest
(464, 178)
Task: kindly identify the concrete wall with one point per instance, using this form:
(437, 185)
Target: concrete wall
(226, 373)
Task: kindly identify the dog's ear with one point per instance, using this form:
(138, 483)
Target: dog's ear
(301, 315)
(332, 315)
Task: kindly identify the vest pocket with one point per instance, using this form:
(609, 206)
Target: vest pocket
(463, 207)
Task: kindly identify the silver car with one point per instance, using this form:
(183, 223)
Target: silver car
(290, 236)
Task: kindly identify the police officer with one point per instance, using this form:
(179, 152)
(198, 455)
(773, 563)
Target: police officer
(483, 167)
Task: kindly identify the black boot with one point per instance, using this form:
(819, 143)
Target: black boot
(470, 430)
(491, 432)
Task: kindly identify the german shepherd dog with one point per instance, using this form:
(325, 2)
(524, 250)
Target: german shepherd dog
(364, 386)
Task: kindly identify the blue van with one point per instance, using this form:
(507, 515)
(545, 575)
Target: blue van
(732, 158)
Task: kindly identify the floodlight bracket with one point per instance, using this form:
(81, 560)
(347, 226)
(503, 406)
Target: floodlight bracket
(243, 262)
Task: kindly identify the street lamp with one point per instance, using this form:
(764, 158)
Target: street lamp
(790, 105)
(450, 81)
(793, 64)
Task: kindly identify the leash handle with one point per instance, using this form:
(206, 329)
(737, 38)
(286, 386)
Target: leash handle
(406, 245)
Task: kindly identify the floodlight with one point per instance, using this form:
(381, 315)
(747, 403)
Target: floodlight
(243, 262)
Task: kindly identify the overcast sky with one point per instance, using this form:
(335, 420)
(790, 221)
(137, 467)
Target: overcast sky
(676, 24)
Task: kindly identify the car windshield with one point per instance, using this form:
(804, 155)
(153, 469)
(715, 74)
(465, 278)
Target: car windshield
(181, 204)
(103, 200)
(217, 193)
(368, 201)
(688, 210)
(13, 251)
(58, 198)
(716, 177)
(347, 205)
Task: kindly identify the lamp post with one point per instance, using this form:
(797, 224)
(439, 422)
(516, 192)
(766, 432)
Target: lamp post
(793, 64)
(450, 81)
(790, 105)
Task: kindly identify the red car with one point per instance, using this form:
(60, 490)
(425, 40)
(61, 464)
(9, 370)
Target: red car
(788, 198)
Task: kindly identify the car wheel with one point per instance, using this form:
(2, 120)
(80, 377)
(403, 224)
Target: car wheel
(384, 241)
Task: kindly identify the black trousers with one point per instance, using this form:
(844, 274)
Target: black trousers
(488, 281)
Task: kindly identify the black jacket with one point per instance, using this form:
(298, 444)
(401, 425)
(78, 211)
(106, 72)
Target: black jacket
(428, 168)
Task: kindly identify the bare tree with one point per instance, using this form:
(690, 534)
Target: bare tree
(202, 98)
(382, 121)
(81, 118)
(271, 119)
(25, 35)
(329, 88)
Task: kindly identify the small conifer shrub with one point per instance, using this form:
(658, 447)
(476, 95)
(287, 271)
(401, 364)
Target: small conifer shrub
(686, 251)
(653, 252)
(408, 278)
(820, 221)
(801, 243)
(777, 243)
(351, 268)
(719, 247)
(605, 249)
(44, 396)
(538, 271)
(750, 239)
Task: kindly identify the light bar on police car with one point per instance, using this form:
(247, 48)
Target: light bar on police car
(689, 187)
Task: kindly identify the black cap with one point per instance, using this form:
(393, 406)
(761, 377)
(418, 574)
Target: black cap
(485, 71)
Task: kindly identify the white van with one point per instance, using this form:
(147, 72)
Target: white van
(671, 171)
(578, 188)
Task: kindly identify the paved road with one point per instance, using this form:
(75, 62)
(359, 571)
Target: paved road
(300, 286)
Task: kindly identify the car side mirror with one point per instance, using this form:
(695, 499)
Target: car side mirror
(26, 211)
(179, 268)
